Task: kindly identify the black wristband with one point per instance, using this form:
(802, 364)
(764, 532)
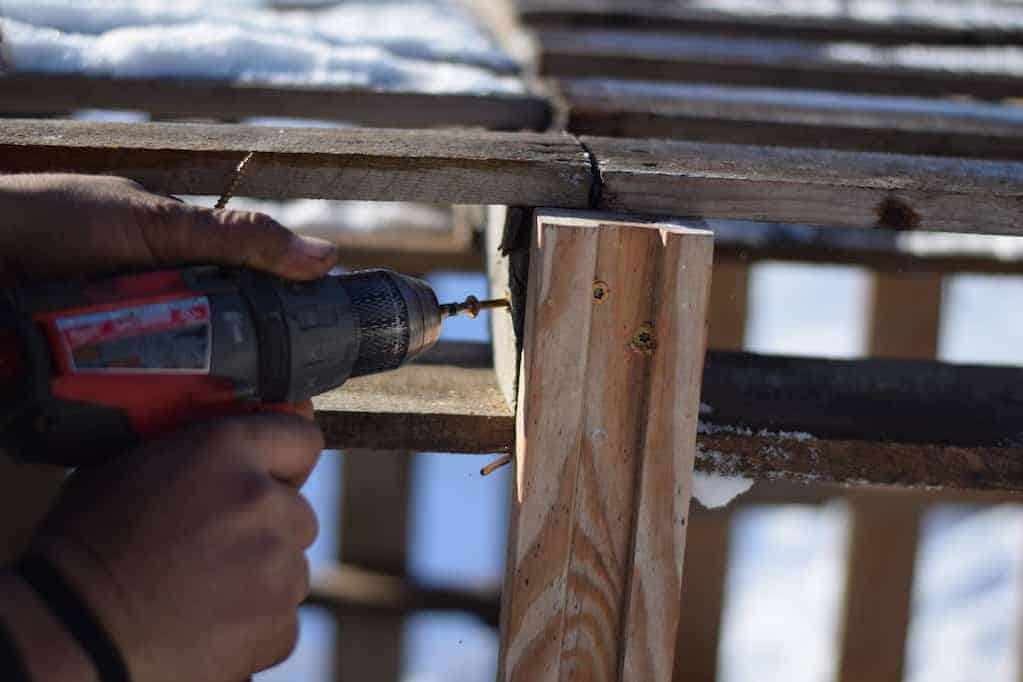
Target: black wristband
(76, 616)
(12, 664)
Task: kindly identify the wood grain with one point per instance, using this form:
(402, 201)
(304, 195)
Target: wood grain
(693, 58)
(729, 299)
(435, 166)
(997, 23)
(585, 564)
(833, 188)
(26, 92)
(792, 118)
(845, 189)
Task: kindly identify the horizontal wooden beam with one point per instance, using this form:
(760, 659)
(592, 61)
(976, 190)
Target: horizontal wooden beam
(885, 250)
(990, 73)
(436, 166)
(834, 188)
(421, 408)
(211, 99)
(993, 22)
(884, 422)
(792, 118)
(770, 184)
(347, 587)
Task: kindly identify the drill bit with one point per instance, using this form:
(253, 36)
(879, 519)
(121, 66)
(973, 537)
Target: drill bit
(471, 307)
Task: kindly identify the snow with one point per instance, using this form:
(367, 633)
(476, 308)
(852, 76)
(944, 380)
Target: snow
(422, 46)
(950, 14)
(714, 490)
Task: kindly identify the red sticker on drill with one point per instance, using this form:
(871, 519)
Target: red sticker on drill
(159, 337)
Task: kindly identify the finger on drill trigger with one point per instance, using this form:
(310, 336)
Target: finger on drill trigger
(296, 445)
(238, 238)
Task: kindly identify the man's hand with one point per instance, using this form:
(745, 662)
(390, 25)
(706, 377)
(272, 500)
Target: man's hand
(60, 225)
(190, 551)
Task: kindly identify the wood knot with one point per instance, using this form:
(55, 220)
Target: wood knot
(643, 339)
(894, 213)
(601, 291)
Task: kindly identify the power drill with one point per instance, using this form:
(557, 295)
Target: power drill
(91, 369)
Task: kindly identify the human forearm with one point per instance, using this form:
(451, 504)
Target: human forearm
(48, 650)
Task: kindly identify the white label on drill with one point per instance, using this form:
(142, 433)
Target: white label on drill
(171, 337)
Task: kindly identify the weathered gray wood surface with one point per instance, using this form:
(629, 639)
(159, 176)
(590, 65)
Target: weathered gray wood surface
(990, 72)
(777, 184)
(468, 167)
(204, 98)
(852, 189)
(896, 22)
(793, 118)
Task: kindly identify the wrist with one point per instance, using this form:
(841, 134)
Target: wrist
(49, 651)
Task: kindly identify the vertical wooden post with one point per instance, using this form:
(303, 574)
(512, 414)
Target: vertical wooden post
(374, 533)
(703, 582)
(615, 335)
(906, 313)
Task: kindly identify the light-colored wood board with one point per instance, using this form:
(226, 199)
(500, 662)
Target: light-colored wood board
(988, 72)
(27, 92)
(892, 22)
(585, 565)
(823, 187)
(792, 118)
(502, 331)
(434, 166)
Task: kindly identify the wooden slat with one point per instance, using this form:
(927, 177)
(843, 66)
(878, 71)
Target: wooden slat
(793, 118)
(422, 408)
(773, 417)
(905, 322)
(896, 22)
(775, 184)
(889, 250)
(602, 492)
(373, 516)
(991, 73)
(354, 589)
(703, 590)
(639, 176)
(204, 98)
(434, 166)
(729, 299)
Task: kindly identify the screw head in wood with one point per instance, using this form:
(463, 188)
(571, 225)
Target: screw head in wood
(643, 339)
(601, 291)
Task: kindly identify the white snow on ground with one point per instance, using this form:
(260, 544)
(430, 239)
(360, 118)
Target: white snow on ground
(415, 46)
(780, 618)
(714, 490)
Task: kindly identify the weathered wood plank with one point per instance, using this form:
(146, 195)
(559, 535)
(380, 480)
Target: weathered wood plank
(24, 92)
(729, 299)
(601, 497)
(793, 118)
(422, 408)
(905, 315)
(773, 417)
(990, 73)
(469, 167)
(835, 188)
(894, 22)
(889, 250)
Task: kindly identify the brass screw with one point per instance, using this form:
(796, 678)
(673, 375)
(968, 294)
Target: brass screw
(601, 291)
(643, 340)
